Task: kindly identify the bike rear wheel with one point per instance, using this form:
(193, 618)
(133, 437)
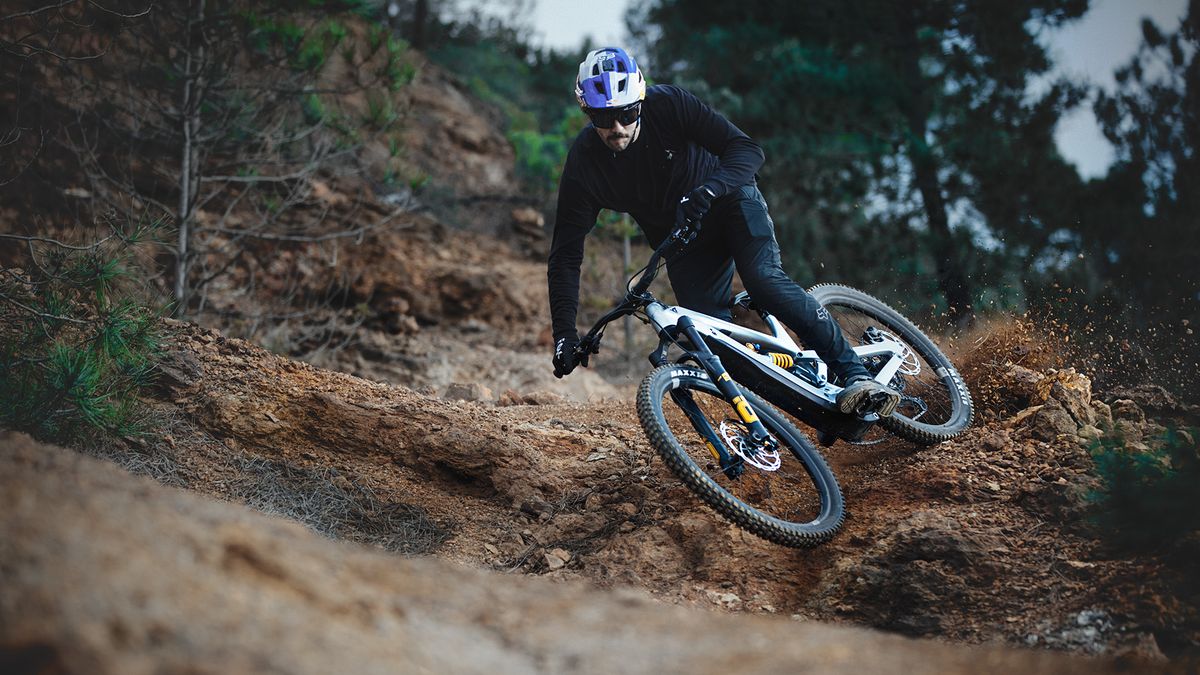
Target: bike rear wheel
(798, 503)
(935, 405)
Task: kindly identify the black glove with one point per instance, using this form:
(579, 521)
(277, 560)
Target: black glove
(564, 356)
(693, 206)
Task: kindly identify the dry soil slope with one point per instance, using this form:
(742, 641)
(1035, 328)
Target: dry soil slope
(975, 540)
(109, 573)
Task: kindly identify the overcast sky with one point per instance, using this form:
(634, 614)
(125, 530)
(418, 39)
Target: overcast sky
(1090, 48)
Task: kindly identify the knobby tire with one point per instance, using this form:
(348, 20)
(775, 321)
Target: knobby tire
(816, 479)
(942, 383)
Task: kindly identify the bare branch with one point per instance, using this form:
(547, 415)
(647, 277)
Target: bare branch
(39, 10)
(56, 242)
(40, 315)
(140, 14)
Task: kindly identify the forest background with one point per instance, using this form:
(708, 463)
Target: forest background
(911, 152)
(909, 144)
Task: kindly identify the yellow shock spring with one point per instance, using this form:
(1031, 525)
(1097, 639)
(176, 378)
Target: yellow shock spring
(784, 361)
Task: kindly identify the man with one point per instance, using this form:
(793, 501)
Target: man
(664, 157)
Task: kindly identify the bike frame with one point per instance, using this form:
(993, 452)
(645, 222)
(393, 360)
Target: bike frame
(716, 345)
(814, 402)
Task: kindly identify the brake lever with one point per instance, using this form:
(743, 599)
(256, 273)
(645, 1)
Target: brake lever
(587, 346)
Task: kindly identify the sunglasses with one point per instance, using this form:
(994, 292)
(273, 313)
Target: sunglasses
(604, 118)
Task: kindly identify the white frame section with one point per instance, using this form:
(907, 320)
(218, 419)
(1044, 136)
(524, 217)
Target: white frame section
(735, 337)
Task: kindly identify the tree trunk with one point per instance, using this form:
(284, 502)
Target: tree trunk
(189, 110)
(420, 18)
(952, 280)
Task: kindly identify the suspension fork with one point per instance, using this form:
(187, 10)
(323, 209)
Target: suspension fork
(732, 466)
(725, 384)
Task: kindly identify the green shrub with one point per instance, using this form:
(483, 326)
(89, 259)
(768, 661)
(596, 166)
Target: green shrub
(1148, 499)
(78, 340)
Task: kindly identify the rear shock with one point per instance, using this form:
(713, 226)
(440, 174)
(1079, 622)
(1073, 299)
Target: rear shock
(806, 369)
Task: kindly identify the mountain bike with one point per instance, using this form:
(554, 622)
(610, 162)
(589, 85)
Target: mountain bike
(714, 412)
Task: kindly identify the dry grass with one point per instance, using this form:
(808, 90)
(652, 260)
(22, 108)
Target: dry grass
(324, 499)
(334, 505)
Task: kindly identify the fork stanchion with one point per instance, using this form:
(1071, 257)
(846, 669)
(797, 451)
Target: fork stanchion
(725, 384)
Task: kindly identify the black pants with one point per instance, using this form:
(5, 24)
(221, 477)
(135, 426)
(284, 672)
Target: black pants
(738, 232)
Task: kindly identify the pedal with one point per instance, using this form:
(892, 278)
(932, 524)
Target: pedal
(881, 403)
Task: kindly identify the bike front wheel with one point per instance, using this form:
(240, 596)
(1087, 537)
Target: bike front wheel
(788, 496)
(935, 405)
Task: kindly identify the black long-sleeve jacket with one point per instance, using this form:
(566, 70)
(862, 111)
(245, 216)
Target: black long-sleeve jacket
(681, 145)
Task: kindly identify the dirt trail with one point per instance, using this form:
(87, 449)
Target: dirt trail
(976, 540)
(108, 573)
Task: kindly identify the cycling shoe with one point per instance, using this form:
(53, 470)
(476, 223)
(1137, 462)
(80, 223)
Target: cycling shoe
(863, 395)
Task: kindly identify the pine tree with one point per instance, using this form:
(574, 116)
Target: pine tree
(79, 336)
(860, 100)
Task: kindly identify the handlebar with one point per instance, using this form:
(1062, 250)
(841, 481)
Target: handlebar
(683, 235)
(635, 296)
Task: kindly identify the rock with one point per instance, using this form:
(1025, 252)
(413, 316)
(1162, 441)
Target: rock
(1125, 409)
(402, 324)
(535, 505)
(542, 397)
(510, 398)
(1051, 421)
(178, 370)
(726, 600)
(1058, 499)
(1089, 434)
(928, 562)
(566, 527)
(996, 441)
(1147, 397)
(472, 391)
(557, 558)
(1076, 400)
(1020, 385)
(593, 502)
(529, 222)
(1128, 430)
(1104, 418)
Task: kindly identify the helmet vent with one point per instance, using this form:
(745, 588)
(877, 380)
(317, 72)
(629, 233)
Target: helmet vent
(621, 86)
(599, 87)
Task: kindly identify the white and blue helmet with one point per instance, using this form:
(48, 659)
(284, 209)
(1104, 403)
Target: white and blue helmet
(609, 78)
